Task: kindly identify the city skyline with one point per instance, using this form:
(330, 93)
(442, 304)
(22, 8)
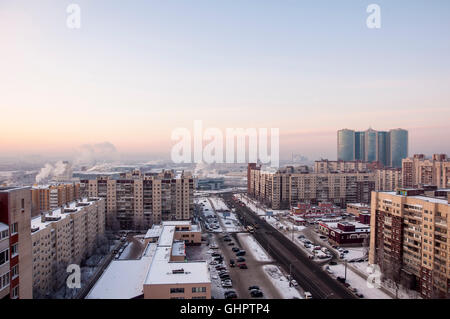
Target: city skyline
(134, 73)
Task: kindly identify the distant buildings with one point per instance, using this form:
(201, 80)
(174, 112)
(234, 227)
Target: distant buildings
(286, 187)
(410, 239)
(138, 200)
(48, 197)
(418, 171)
(67, 235)
(15, 243)
(162, 272)
(207, 183)
(388, 148)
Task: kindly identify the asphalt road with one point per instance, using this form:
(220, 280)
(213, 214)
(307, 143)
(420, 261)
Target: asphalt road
(307, 273)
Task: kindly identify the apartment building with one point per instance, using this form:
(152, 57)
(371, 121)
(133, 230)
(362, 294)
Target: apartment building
(162, 272)
(388, 179)
(15, 243)
(64, 236)
(325, 166)
(410, 240)
(48, 197)
(286, 187)
(138, 200)
(419, 170)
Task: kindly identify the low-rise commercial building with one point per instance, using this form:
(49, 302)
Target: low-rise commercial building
(346, 233)
(163, 271)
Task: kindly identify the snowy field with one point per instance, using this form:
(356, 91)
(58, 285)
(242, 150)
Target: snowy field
(281, 282)
(254, 247)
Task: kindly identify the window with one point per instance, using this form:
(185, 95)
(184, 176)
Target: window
(23, 203)
(4, 234)
(15, 292)
(14, 250)
(4, 280)
(176, 290)
(4, 256)
(198, 289)
(15, 271)
(14, 229)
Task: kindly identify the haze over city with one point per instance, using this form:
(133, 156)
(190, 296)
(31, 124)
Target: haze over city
(133, 73)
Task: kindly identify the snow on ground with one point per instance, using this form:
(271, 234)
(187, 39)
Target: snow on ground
(403, 293)
(354, 280)
(281, 282)
(354, 252)
(254, 247)
(230, 222)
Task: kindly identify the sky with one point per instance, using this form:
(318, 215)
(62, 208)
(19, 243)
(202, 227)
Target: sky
(137, 70)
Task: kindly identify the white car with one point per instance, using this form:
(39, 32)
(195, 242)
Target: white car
(308, 295)
(294, 283)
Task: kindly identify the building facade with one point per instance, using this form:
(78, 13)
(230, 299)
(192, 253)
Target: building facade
(67, 235)
(419, 170)
(388, 179)
(286, 187)
(410, 241)
(137, 201)
(48, 197)
(15, 243)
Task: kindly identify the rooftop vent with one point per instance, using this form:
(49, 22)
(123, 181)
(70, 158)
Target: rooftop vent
(178, 271)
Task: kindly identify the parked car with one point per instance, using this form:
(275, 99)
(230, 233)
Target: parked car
(216, 254)
(301, 236)
(256, 293)
(212, 263)
(231, 295)
(253, 287)
(240, 259)
(294, 283)
(333, 263)
(227, 239)
(242, 266)
(227, 284)
(231, 244)
(235, 249)
(240, 253)
(307, 295)
(360, 295)
(322, 237)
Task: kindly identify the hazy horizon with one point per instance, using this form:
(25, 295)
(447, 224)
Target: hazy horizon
(136, 71)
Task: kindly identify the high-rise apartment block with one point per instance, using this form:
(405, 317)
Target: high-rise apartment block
(286, 187)
(138, 200)
(410, 240)
(388, 179)
(15, 243)
(67, 235)
(47, 197)
(419, 170)
(388, 148)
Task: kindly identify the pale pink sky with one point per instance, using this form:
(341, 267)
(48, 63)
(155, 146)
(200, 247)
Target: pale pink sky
(130, 79)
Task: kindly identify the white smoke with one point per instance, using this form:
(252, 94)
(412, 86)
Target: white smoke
(91, 154)
(50, 171)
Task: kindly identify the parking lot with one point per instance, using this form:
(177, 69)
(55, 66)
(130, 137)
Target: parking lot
(234, 274)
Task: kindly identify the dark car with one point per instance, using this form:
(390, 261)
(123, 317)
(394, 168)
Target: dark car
(360, 295)
(242, 266)
(332, 263)
(240, 253)
(216, 255)
(231, 244)
(235, 249)
(256, 293)
(253, 287)
(341, 279)
(230, 294)
(240, 259)
(227, 239)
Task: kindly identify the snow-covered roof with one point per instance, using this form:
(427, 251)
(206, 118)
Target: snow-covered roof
(37, 223)
(431, 199)
(178, 248)
(123, 279)
(166, 237)
(176, 223)
(162, 271)
(153, 232)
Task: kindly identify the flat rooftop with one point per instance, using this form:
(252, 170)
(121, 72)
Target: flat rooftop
(3, 227)
(36, 222)
(123, 279)
(162, 271)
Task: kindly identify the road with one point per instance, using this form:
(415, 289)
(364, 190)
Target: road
(307, 273)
